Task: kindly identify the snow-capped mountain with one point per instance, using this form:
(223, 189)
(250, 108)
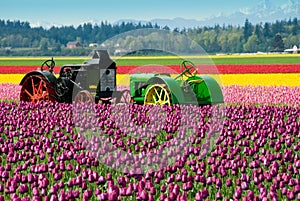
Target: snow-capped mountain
(264, 11)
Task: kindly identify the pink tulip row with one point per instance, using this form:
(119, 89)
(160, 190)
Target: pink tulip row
(275, 95)
(9, 92)
(234, 94)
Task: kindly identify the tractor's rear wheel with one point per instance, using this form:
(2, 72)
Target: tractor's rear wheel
(158, 94)
(84, 96)
(36, 88)
(124, 98)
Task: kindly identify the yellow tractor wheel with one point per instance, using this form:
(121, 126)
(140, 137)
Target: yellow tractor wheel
(157, 94)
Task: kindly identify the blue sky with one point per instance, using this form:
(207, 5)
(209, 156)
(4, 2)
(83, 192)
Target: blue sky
(74, 12)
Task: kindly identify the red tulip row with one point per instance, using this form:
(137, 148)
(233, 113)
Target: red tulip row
(21, 69)
(218, 69)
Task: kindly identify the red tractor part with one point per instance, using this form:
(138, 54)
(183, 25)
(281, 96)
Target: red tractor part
(36, 88)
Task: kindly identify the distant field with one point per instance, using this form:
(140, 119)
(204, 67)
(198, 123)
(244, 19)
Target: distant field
(162, 60)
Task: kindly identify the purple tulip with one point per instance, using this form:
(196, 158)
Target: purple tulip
(228, 182)
(35, 191)
(237, 193)
(37, 198)
(219, 196)
(204, 193)
(284, 191)
(296, 188)
(178, 177)
(121, 181)
(290, 195)
(198, 196)
(129, 191)
(112, 196)
(187, 186)
(238, 182)
(101, 180)
(53, 197)
(297, 164)
(144, 195)
(163, 188)
(273, 195)
(218, 183)
(108, 176)
(23, 188)
(244, 186)
(162, 197)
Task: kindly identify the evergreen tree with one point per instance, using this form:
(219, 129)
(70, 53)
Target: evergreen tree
(278, 45)
(15, 35)
(266, 30)
(295, 27)
(248, 28)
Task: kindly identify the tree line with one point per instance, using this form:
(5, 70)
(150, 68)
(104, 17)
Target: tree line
(19, 38)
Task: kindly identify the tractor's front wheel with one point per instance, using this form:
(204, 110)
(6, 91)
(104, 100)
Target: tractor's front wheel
(158, 94)
(36, 88)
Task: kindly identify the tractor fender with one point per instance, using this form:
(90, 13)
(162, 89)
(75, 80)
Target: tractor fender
(214, 89)
(49, 76)
(176, 92)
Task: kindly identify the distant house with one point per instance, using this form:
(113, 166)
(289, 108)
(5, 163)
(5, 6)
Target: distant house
(120, 52)
(73, 44)
(294, 50)
(93, 45)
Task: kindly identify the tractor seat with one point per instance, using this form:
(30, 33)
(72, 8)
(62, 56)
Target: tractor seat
(195, 81)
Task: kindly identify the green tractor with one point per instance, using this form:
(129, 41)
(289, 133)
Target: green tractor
(186, 88)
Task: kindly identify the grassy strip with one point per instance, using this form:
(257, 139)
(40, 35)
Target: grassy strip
(137, 61)
(215, 60)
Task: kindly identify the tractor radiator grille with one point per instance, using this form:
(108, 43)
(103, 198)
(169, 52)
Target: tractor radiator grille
(108, 79)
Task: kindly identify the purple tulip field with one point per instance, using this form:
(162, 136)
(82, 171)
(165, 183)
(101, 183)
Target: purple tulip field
(246, 149)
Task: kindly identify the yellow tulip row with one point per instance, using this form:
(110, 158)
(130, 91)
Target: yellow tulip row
(275, 79)
(159, 57)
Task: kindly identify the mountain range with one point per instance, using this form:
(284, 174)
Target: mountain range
(265, 11)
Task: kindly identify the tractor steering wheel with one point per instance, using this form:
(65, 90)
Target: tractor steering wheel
(188, 69)
(50, 63)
